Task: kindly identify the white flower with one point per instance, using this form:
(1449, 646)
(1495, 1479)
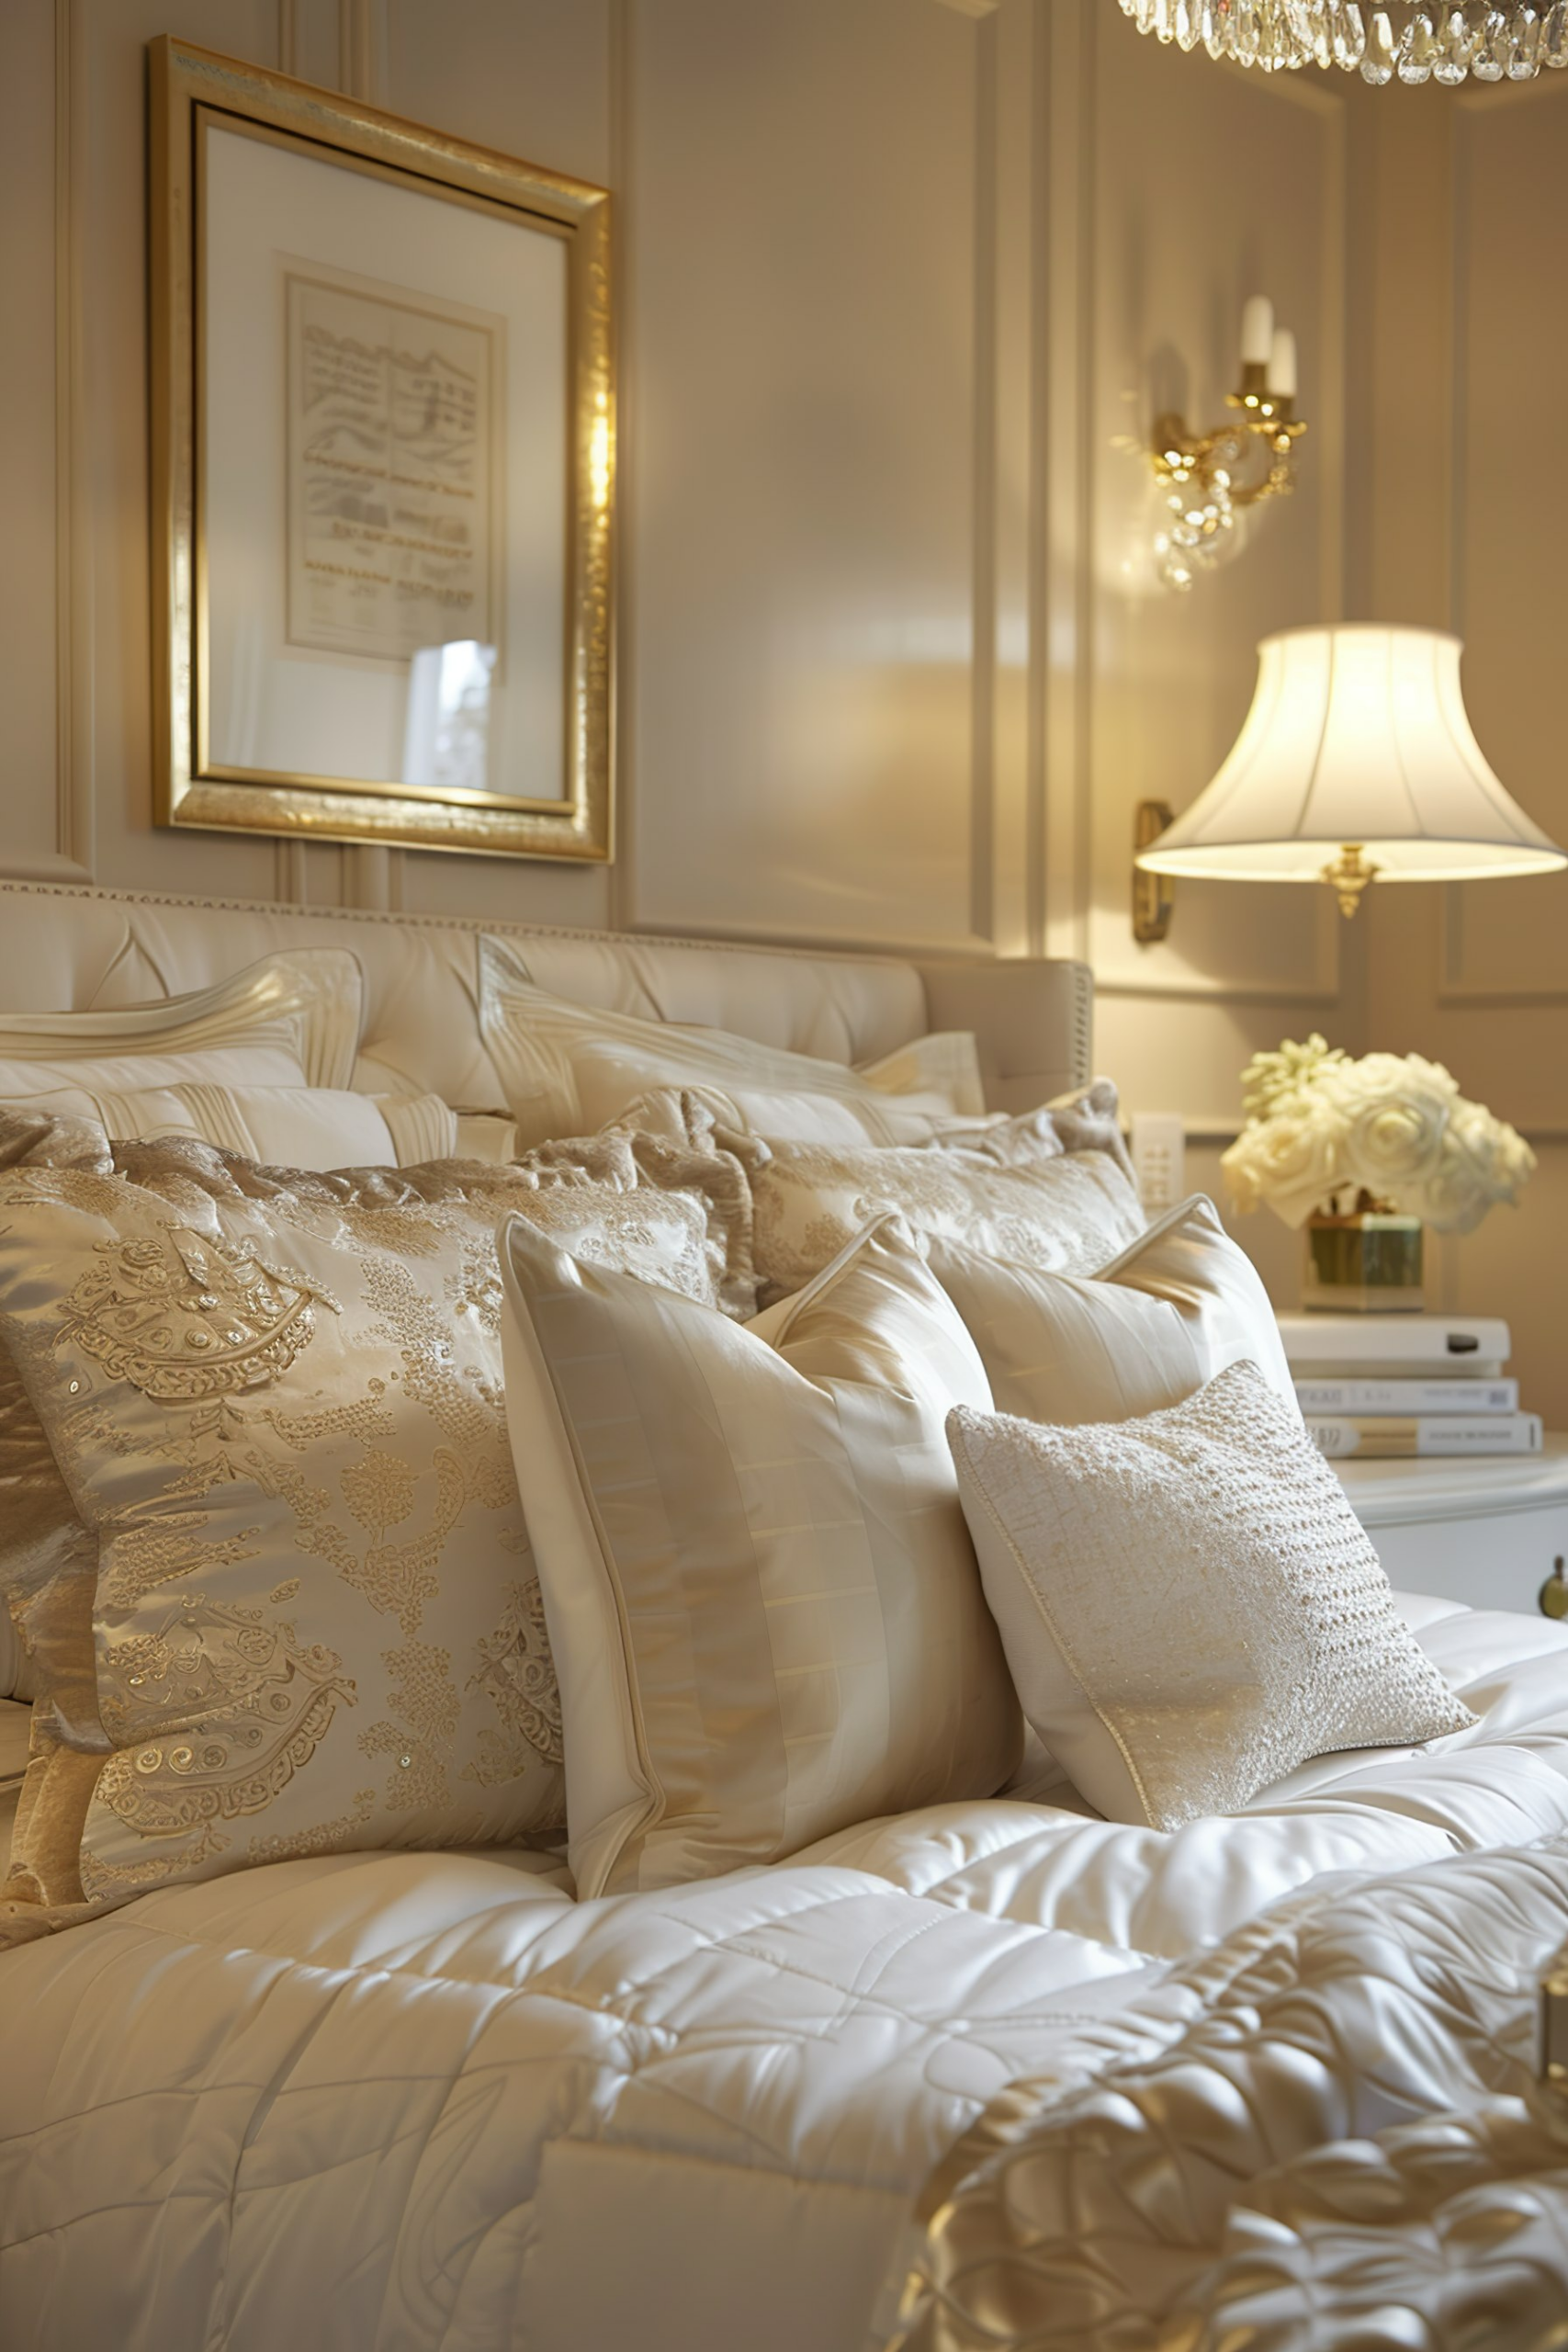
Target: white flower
(1397, 1112)
(1283, 1082)
(1324, 1130)
(1293, 1161)
(1484, 1161)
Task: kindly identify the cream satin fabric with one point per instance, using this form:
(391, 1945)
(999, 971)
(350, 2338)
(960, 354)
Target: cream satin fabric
(568, 1069)
(762, 1602)
(1327, 2133)
(291, 1020)
(1182, 1303)
(314, 1128)
(1189, 1607)
(432, 2097)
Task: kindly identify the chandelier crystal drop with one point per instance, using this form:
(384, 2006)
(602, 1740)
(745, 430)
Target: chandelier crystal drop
(1438, 42)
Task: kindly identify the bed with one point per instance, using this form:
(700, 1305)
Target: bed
(407, 2100)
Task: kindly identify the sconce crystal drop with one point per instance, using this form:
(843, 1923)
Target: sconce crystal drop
(1444, 44)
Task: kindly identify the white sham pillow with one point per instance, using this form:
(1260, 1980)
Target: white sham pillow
(314, 1128)
(1189, 1607)
(571, 1069)
(763, 1603)
(1176, 1309)
(293, 1019)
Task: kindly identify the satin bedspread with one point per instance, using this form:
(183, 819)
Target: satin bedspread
(390, 2102)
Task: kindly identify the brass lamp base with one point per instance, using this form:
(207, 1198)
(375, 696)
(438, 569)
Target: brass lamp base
(1348, 876)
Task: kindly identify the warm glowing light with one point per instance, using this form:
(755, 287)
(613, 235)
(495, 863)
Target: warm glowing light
(1356, 759)
(599, 453)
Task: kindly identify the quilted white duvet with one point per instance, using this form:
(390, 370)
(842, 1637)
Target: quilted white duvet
(389, 2103)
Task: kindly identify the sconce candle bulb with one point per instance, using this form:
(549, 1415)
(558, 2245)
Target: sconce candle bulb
(1282, 365)
(1201, 473)
(1257, 330)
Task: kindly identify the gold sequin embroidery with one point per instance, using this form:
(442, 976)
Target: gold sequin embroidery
(184, 1314)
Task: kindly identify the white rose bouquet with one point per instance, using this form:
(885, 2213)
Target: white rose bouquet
(1322, 1130)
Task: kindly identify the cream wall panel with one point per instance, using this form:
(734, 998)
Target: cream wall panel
(1511, 516)
(33, 574)
(802, 192)
(1469, 522)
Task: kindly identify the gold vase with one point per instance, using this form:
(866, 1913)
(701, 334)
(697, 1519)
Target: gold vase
(1366, 1264)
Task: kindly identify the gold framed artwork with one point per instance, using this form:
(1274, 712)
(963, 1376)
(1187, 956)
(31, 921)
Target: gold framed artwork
(383, 441)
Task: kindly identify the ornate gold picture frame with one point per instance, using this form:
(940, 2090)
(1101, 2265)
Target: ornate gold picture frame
(383, 456)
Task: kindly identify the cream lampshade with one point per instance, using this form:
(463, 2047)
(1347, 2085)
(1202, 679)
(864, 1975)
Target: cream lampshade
(1356, 762)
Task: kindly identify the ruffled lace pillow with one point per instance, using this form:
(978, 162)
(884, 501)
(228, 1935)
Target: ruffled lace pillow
(287, 1605)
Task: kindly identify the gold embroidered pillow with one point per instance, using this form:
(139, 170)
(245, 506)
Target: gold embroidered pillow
(278, 1406)
(1188, 1605)
(48, 1562)
(1063, 1212)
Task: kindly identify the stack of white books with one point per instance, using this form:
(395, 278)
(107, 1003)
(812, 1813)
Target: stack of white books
(1389, 1385)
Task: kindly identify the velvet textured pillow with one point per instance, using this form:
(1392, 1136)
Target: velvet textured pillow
(1177, 1307)
(1189, 1607)
(310, 1620)
(567, 1068)
(763, 1605)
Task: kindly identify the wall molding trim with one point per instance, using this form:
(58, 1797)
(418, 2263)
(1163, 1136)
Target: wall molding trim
(73, 856)
(1461, 986)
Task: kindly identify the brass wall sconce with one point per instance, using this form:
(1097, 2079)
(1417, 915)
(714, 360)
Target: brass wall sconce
(1203, 474)
(1154, 894)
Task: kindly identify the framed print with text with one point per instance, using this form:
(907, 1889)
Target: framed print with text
(383, 434)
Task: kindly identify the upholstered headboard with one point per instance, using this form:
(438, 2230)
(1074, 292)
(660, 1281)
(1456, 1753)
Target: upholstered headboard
(79, 950)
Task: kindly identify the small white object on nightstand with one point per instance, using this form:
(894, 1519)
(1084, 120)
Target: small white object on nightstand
(1160, 1160)
(1486, 1532)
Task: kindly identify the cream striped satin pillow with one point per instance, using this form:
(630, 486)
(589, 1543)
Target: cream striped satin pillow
(1180, 1304)
(314, 1128)
(763, 1603)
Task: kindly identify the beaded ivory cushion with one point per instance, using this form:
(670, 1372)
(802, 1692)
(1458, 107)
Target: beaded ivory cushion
(1188, 1605)
(305, 1616)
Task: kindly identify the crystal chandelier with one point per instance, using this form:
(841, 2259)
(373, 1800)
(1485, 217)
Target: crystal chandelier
(1481, 41)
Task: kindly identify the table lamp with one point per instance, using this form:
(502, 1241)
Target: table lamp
(1356, 762)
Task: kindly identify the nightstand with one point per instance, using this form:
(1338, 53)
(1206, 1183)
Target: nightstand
(1482, 1531)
